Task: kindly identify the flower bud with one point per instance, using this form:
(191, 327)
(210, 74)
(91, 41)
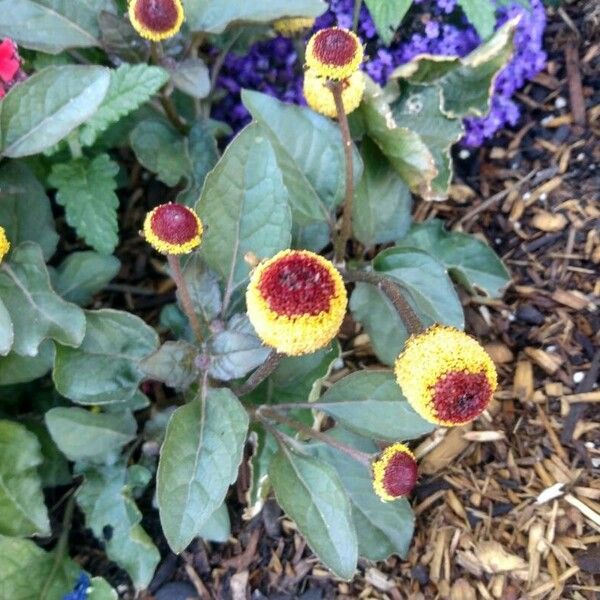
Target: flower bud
(173, 229)
(334, 53)
(394, 472)
(156, 19)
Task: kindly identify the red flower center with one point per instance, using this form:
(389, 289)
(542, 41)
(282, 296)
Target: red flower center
(157, 15)
(297, 285)
(174, 224)
(400, 475)
(334, 47)
(9, 61)
(460, 397)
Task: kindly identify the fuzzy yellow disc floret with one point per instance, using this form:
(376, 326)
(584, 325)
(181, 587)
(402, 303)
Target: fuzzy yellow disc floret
(173, 229)
(394, 472)
(4, 244)
(291, 26)
(334, 53)
(446, 376)
(296, 302)
(320, 97)
(156, 20)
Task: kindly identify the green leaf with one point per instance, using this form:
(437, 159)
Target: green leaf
(83, 274)
(36, 311)
(309, 151)
(101, 590)
(174, 363)
(311, 493)
(404, 148)
(7, 334)
(218, 526)
(244, 205)
(430, 293)
(94, 437)
(192, 77)
(25, 211)
(264, 448)
(471, 262)
(41, 111)
(130, 87)
(162, 150)
(203, 286)
(22, 369)
(387, 16)
(236, 351)
(481, 14)
(52, 25)
(418, 108)
(372, 404)
(30, 573)
(22, 508)
(382, 202)
(86, 188)
(118, 36)
(213, 16)
(112, 515)
(104, 368)
(383, 528)
(199, 460)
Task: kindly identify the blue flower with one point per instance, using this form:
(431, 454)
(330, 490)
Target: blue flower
(81, 589)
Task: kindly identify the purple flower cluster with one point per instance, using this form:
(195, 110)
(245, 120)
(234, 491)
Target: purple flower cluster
(434, 27)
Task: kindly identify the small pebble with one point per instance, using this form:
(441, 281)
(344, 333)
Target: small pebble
(578, 377)
(560, 103)
(464, 154)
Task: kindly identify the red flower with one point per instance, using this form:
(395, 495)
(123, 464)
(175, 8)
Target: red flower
(10, 62)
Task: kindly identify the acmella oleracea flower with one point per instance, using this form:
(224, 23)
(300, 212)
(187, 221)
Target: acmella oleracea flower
(173, 229)
(319, 96)
(156, 19)
(10, 65)
(296, 302)
(446, 376)
(394, 472)
(334, 53)
(292, 26)
(4, 244)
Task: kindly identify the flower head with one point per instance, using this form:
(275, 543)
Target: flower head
(394, 472)
(296, 302)
(4, 244)
(446, 376)
(334, 53)
(82, 588)
(319, 96)
(10, 65)
(173, 229)
(156, 19)
(292, 26)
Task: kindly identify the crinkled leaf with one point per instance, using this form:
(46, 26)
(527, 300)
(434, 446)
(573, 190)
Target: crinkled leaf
(25, 211)
(382, 201)
(86, 188)
(37, 312)
(44, 109)
(387, 16)
(213, 16)
(22, 369)
(471, 262)
(372, 404)
(311, 493)
(84, 435)
(104, 368)
(481, 14)
(199, 460)
(174, 363)
(244, 206)
(22, 508)
(111, 513)
(83, 274)
(130, 87)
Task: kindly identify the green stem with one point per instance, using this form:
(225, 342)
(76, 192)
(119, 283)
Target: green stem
(74, 144)
(184, 295)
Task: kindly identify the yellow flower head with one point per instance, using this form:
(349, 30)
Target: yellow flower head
(156, 19)
(292, 26)
(173, 229)
(4, 244)
(296, 302)
(334, 52)
(447, 376)
(320, 97)
(394, 472)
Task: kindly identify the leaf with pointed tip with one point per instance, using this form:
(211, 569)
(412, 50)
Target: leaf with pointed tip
(481, 14)
(387, 16)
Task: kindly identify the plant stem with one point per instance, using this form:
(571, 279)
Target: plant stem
(269, 413)
(184, 295)
(259, 375)
(409, 317)
(356, 16)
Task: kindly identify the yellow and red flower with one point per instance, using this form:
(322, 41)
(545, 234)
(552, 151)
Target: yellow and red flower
(4, 244)
(334, 53)
(394, 472)
(291, 26)
(319, 96)
(173, 229)
(446, 375)
(296, 302)
(156, 19)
